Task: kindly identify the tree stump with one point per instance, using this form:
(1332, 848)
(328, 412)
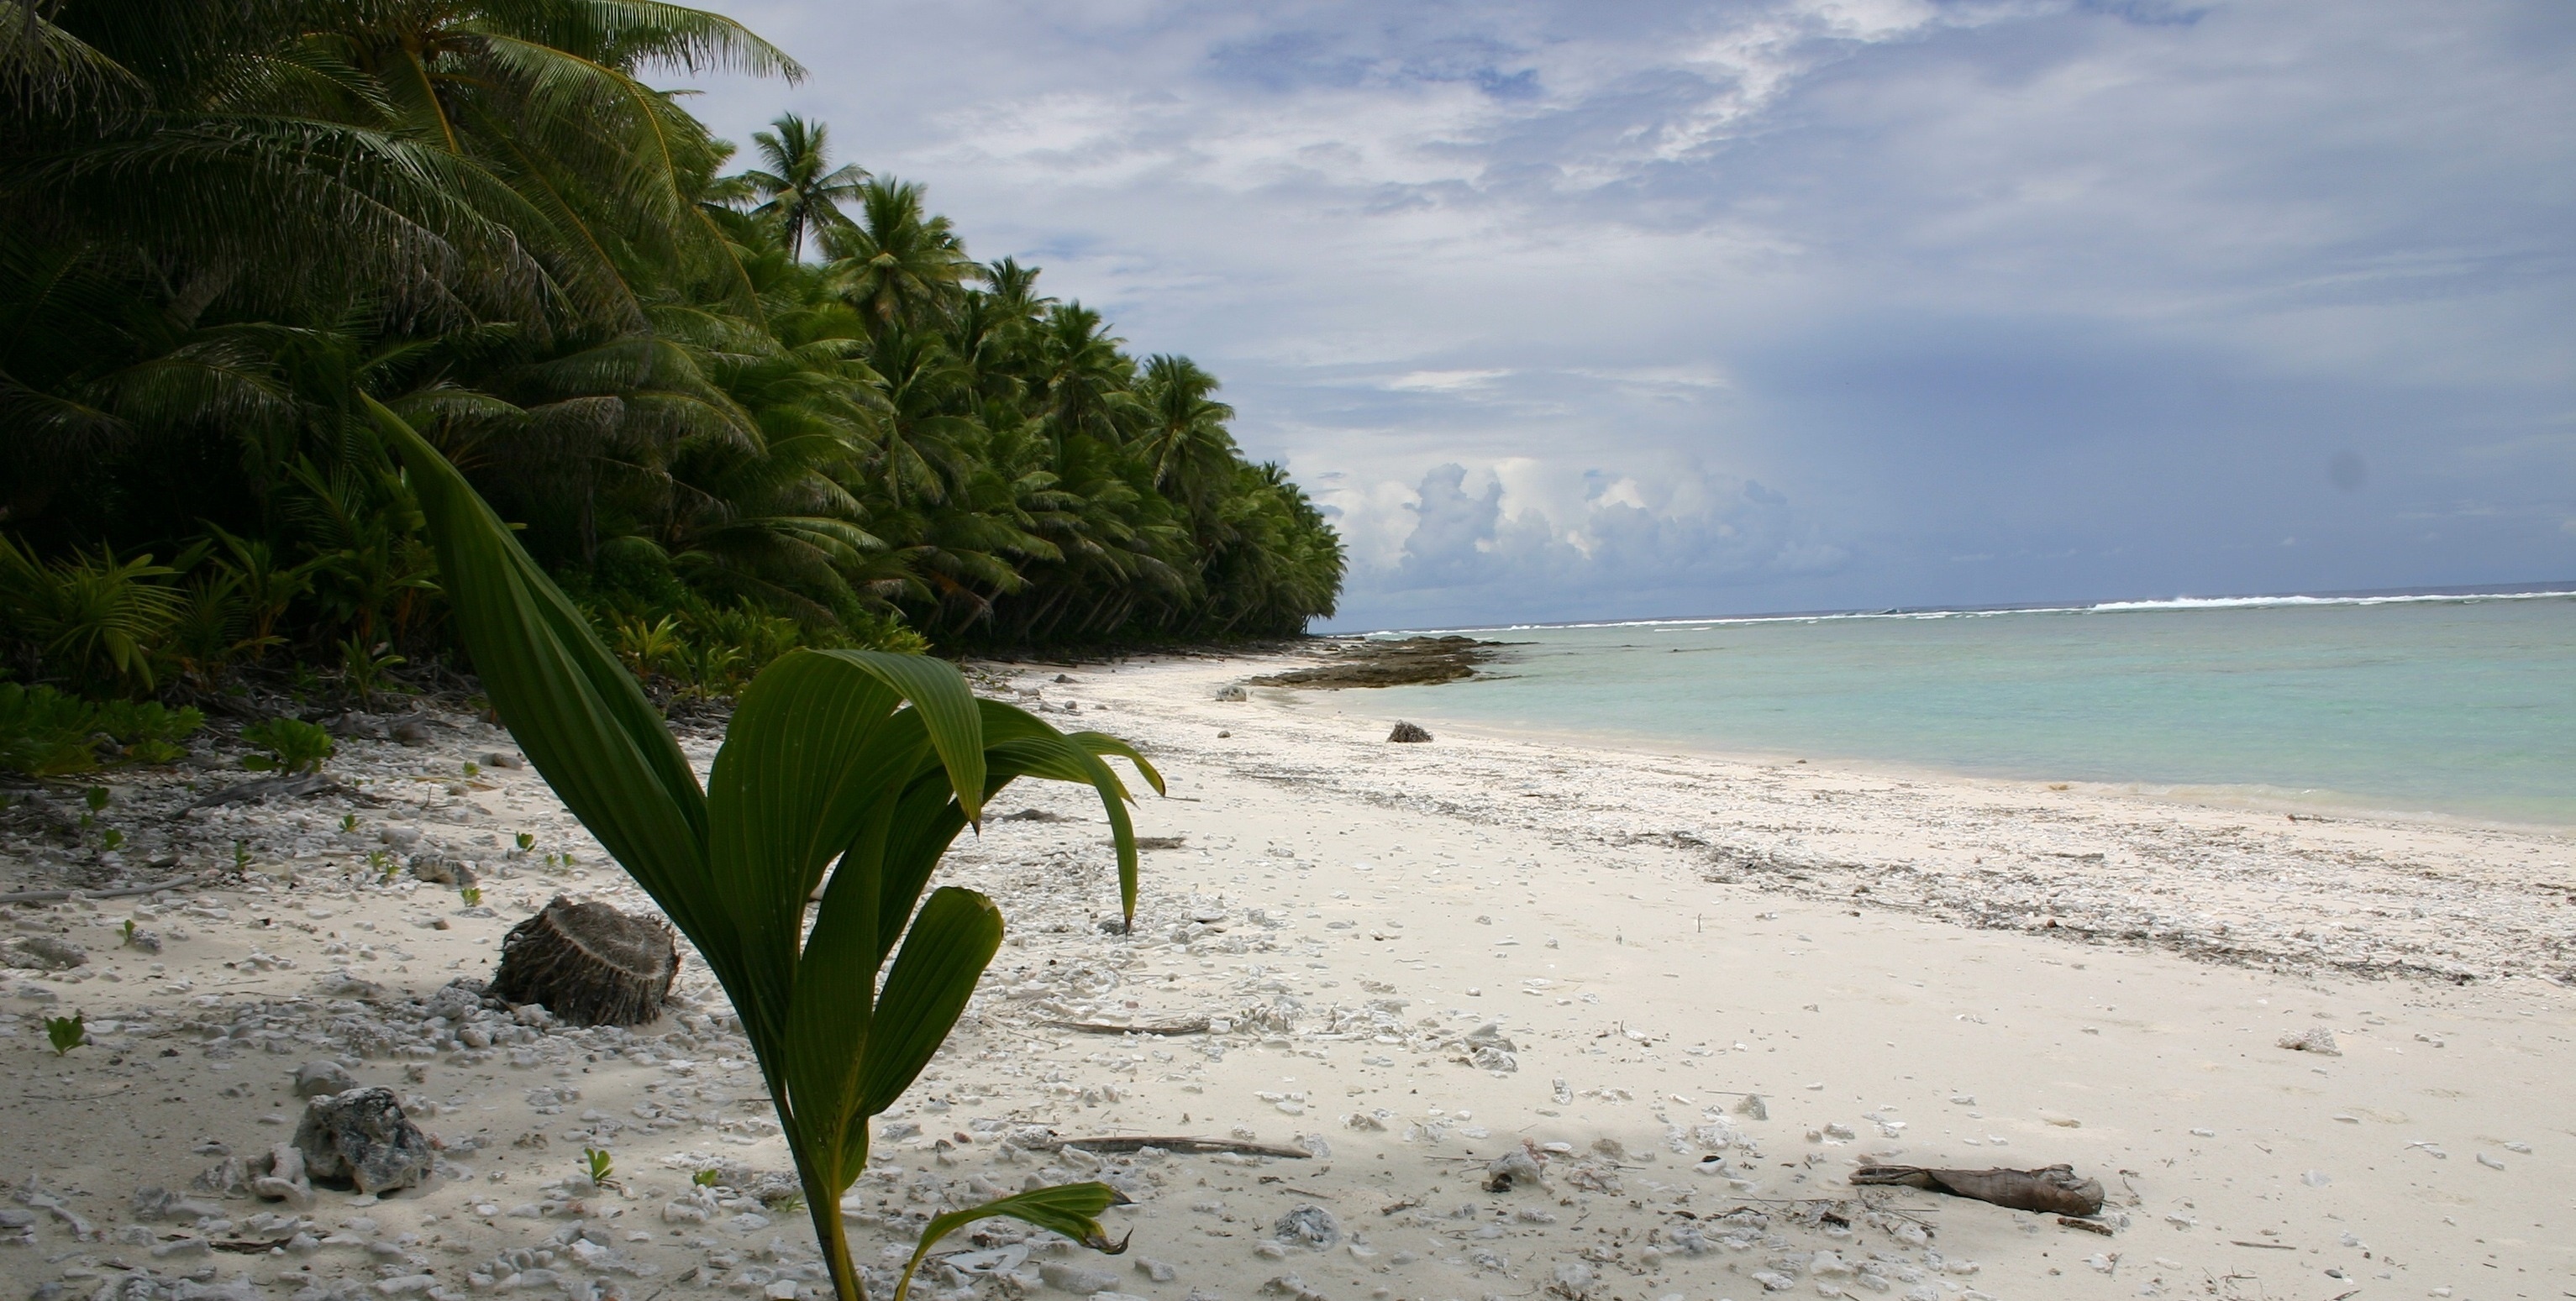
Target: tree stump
(1408, 732)
(589, 964)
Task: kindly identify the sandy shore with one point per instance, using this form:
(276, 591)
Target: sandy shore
(1701, 990)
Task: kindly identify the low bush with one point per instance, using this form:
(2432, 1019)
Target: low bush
(45, 733)
(288, 745)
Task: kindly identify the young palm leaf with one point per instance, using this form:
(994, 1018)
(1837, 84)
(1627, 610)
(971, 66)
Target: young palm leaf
(850, 771)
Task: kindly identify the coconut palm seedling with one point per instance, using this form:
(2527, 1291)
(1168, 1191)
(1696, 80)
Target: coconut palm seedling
(842, 780)
(600, 1165)
(65, 1033)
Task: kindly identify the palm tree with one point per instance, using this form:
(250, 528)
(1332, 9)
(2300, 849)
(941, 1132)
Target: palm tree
(895, 263)
(800, 187)
(1186, 446)
(1084, 378)
(449, 160)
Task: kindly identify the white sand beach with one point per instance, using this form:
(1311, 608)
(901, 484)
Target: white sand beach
(1698, 991)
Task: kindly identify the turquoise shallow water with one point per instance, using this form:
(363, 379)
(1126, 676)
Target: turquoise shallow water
(2457, 706)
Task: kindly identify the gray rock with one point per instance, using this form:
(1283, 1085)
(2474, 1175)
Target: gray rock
(410, 730)
(363, 1137)
(225, 1178)
(1232, 693)
(43, 953)
(439, 869)
(1408, 732)
(1064, 1276)
(1310, 1226)
(503, 759)
(457, 999)
(317, 1079)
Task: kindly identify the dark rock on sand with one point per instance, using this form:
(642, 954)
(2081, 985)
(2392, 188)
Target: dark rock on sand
(1413, 661)
(363, 1137)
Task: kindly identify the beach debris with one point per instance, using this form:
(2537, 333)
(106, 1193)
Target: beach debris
(1184, 1146)
(281, 1177)
(1512, 1169)
(1232, 693)
(318, 1079)
(1197, 1025)
(363, 1137)
(259, 789)
(1753, 1106)
(1035, 815)
(589, 964)
(2314, 1039)
(503, 759)
(1308, 1225)
(1408, 733)
(2049, 1188)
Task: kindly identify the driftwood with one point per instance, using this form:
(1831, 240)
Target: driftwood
(2050, 1188)
(1198, 1026)
(1184, 1146)
(260, 788)
(588, 964)
(55, 896)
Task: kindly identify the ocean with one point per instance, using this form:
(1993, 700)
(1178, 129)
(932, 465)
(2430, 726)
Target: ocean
(2463, 706)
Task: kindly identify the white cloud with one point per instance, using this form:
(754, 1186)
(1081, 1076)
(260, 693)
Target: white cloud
(1773, 303)
(1441, 381)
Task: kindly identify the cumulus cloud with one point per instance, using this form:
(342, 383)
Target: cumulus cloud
(1763, 304)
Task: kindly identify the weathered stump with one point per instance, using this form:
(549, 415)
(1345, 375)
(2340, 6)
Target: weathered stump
(589, 964)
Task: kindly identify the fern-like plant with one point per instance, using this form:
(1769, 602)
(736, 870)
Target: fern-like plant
(98, 619)
(844, 776)
(288, 745)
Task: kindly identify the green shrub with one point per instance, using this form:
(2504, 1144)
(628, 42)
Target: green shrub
(97, 620)
(288, 745)
(44, 733)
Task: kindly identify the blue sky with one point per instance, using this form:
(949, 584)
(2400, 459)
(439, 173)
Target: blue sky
(1601, 310)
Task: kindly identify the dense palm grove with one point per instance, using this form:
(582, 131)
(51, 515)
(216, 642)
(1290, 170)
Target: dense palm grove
(736, 409)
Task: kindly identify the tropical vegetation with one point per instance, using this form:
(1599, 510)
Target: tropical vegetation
(843, 778)
(732, 411)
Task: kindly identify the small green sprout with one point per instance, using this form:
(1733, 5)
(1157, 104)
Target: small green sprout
(471, 894)
(526, 842)
(473, 769)
(600, 1167)
(96, 798)
(129, 930)
(65, 1033)
(706, 1178)
(348, 823)
(241, 855)
(113, 839)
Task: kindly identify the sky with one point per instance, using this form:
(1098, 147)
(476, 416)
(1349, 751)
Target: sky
(1598, 310)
